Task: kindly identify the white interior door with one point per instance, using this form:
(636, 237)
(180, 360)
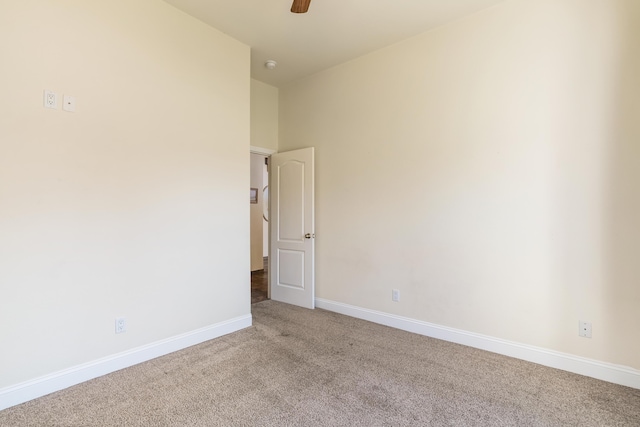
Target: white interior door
(292, 227)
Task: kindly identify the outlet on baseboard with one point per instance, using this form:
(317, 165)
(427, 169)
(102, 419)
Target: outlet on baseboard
(395, 295)
(585, 329)
(121, 325)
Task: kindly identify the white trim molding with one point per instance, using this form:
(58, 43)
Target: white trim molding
(579, 365)
(28, 390)
(260, 150)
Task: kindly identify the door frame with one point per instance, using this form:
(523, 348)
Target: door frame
(267, 152)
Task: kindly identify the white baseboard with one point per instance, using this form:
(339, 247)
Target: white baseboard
(591, 368)
(28, 390)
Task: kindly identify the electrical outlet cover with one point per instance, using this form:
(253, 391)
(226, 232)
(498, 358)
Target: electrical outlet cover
(121, 325)
(50, 100)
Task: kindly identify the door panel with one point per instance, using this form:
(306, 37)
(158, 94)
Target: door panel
(291, 200)
(293, 275)
(292, 232)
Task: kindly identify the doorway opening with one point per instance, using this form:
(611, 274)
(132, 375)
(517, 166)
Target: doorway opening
(260, 284)
(259, 199)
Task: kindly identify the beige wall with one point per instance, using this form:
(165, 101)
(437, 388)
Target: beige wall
(264, 135)
(135, 205)
(490, 171)
(264, 115)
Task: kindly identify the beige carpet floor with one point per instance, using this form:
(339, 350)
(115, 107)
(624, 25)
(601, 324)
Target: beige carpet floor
(297, 367)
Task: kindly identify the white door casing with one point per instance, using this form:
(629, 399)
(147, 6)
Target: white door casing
(292, 227)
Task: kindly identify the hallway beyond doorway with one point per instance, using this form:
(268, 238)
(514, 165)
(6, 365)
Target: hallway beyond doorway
(259, 283)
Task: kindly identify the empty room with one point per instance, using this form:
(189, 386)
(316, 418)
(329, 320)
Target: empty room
(452, 232)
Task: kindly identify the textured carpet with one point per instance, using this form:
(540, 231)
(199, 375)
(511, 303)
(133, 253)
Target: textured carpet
(297, 367)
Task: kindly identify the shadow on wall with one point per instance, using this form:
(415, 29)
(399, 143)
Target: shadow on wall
(595, 207)
(622, 203)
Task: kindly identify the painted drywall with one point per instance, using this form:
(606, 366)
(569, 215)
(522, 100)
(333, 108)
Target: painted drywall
(264, 115)
(264, 135)
(136, 204)
(490, 171)
(257, 231)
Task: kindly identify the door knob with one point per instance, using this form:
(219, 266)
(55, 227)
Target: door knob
(309, 235)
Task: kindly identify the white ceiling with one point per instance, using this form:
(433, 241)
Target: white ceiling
(332, 32)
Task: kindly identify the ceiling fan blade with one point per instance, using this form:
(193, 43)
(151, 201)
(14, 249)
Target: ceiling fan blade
(300, 6)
